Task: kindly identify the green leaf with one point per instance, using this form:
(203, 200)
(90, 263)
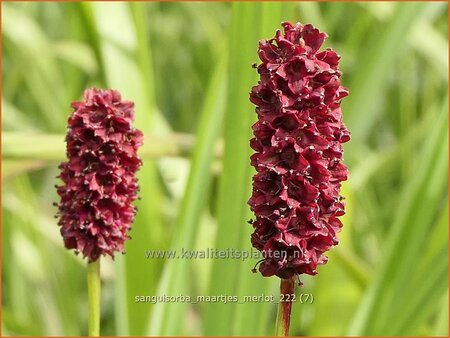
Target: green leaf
(118, 47)
(368, 82)
(17, 145)
(79, 54)
(235, 182)
(25, 39)
(167, 317)
(408, 232)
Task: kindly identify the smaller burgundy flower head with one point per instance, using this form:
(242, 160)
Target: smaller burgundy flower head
(99, 177)
(298, 152)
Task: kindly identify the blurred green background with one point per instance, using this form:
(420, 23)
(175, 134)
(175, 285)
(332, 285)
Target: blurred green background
(187, 66)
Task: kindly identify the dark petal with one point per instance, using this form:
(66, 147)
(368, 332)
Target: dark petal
(313, 38)
(329, 56)
(268, 52)
(269, 267)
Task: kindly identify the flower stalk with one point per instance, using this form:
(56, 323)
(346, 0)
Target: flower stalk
(287, 290)
(93, 281)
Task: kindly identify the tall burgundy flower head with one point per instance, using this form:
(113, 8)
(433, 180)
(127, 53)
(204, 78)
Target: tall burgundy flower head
(99, 182)
(298, 143)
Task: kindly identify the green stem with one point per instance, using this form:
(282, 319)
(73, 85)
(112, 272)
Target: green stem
(93, 280)
(287, 289)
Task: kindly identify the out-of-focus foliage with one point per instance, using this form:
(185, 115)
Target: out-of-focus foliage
(188, 68)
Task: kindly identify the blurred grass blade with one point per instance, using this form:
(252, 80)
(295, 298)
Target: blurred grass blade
(144, 58)
(419, 221)
(14, 119)
(441, 325)
(419, 295)
(42, 76)
(368, 83)
(118, 45)
(432, 45)
(12, 168)
(51, 147)
(235, 181)
(88, 19)
(76, 53)
(254, 318)
(167, 318)
(408, 232)
(271, 18)
(310, 13)
(17, 145)
(42, 261)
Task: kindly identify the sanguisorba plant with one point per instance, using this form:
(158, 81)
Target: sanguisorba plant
(99, 183)
(298, 157)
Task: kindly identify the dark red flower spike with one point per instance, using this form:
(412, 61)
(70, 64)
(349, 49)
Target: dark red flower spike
(99, 177)
(298, 152)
